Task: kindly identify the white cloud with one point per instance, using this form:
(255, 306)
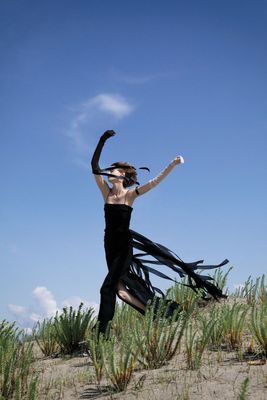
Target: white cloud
(28, 331)
(113, 104)
(46, 300)
(45, 306)
(16, 310)
(35, 317)
(88, 113)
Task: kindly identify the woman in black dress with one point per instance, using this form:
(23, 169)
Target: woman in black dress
(128, 273)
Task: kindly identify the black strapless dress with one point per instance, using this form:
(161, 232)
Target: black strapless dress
(134, 268)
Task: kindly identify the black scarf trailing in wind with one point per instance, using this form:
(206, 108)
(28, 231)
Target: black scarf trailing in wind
(163, 256)
(100, 172)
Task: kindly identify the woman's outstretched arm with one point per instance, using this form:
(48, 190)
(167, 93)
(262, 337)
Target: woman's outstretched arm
(101, 183)
(155, 181)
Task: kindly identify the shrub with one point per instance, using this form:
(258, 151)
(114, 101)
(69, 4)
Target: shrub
(250, 290)
(233, 326)
(45, 336)
(156, 337)
(119, 361)
(216, 314)
(196, 343)
(16, 357)
(220, 278)
(95, 350)
(125, 317)
(71, 328)
(258, 326)
(183, 295)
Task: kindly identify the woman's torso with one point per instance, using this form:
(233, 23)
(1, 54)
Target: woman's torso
(117, 216)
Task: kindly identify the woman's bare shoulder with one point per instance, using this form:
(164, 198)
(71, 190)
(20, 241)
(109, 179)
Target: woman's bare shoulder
(132, 195)
(102, 184)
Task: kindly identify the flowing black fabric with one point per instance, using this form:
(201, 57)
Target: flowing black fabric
(156, 254)
(134, 268)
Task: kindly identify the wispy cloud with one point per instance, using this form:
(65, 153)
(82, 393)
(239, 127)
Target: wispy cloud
(17, 310)
(87, 114)
(137, 79)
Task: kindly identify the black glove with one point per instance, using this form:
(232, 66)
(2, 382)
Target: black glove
(96, 156)
(106, 135)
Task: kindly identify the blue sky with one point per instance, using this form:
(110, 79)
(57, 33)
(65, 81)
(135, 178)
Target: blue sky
(176, 77)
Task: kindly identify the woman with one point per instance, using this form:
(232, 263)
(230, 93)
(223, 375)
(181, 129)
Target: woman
(128, 275)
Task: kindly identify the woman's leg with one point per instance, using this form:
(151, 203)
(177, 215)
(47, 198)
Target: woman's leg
(107, 303)
(127, 297)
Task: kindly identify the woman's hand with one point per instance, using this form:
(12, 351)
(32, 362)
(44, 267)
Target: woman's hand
(108, 134)
(178, 160)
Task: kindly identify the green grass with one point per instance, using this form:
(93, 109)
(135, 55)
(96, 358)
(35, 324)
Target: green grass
(46, 337)
(16, 357)
(156, 337)
(71, 328)
(258, 326)
(138, 342)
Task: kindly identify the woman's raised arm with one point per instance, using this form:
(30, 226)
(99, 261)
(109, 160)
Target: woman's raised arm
(101, 183)
(155, 181)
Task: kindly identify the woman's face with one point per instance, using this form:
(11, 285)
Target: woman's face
(118, 172)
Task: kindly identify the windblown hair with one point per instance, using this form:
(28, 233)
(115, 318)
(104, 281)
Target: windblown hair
(130, 173)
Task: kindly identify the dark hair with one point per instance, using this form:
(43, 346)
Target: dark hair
(130, 173)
